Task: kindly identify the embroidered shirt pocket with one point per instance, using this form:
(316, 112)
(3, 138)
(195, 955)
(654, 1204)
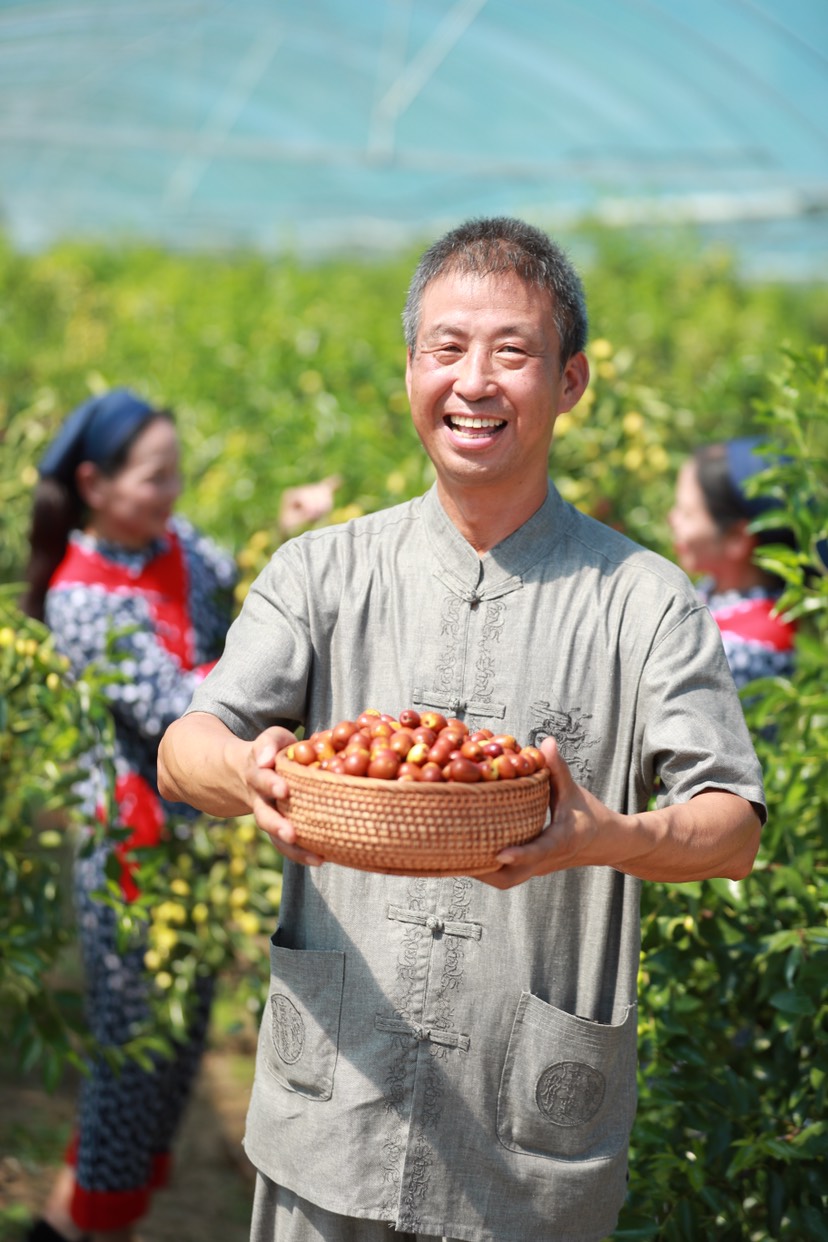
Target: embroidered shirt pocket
(568, 1086)
(300, 1032)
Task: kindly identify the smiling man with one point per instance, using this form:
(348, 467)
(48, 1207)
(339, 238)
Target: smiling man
(486, 381)
(454, 1058)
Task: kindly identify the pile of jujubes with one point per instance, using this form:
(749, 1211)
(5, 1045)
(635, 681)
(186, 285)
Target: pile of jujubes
(415, 746)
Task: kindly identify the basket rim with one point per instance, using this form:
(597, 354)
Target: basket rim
(431, 789)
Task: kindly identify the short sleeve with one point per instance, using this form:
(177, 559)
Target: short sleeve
(262, 676)
(693, 731)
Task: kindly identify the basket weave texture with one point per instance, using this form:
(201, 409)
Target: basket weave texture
(411, 828)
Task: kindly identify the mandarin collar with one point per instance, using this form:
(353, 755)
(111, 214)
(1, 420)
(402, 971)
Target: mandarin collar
(504, 567)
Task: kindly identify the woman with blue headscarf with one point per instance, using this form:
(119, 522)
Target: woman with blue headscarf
(711, 521)
(121, 580)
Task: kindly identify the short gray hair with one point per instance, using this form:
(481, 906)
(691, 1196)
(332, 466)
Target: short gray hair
(495, 246)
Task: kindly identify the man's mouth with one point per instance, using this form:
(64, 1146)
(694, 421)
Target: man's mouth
(471, 425)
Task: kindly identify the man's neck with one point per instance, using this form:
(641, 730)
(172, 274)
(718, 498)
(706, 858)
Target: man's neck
(484, 517)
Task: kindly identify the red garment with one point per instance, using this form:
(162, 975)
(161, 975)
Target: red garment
(139, 808)
(164, 584)
(754, 621)
(101, 1210)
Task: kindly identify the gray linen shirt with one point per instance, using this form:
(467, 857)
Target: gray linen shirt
(436, 1053)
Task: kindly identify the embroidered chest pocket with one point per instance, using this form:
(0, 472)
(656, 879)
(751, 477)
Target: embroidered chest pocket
(568, 1086)
(300, 1030)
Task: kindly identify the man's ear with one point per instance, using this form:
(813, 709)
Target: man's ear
(408, 371)
(575, 380)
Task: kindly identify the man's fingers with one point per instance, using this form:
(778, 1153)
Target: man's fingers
(296, 853)
(266, 755)
(282, 833)
(563, 782)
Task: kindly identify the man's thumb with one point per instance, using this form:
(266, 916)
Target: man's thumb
(559, 770)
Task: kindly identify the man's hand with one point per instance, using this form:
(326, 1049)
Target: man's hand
(577, 823)
(716, 833)
(266, 787)
(200, 761)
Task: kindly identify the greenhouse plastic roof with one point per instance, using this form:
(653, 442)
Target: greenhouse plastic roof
(331, 124)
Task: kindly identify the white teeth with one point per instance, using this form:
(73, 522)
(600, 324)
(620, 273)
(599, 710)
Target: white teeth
(462, 420)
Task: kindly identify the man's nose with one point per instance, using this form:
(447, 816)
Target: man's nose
(475, 375)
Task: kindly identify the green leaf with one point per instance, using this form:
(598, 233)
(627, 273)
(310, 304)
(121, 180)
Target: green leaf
(794, 1002)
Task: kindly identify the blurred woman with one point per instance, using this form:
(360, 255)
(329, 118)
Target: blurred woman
(123, 582)
(710, 521)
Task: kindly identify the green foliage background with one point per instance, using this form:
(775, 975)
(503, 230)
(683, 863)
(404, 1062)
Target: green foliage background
(281, 373)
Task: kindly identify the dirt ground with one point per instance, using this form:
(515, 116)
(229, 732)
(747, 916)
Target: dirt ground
(211, 1192)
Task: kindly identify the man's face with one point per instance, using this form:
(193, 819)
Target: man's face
(485, 382)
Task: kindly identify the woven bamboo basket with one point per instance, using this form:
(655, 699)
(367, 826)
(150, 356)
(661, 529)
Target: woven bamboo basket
(411, 828)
